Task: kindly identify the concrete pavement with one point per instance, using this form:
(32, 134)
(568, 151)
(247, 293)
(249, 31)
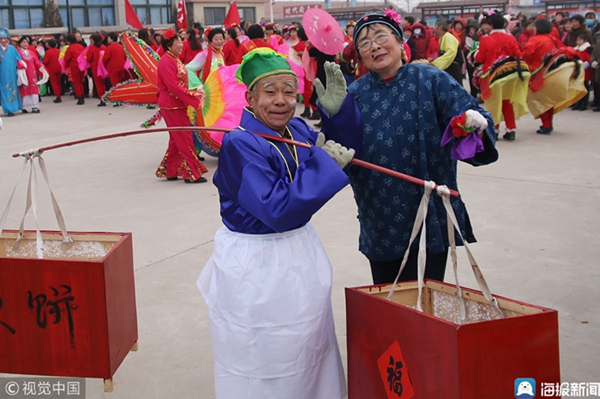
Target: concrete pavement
(535, 214)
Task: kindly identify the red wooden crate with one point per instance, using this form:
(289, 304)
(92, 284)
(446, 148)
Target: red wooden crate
(72, 313)
(394, 348)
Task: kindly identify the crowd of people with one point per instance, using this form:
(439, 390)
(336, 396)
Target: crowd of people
(393, 96)
(451, 45)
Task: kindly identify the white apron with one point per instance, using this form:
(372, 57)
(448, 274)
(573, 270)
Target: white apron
(271, 320)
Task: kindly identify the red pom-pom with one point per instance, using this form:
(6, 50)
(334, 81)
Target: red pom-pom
(169, 34)
(458, 125)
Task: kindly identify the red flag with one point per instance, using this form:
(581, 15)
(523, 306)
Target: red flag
(233, 16)
(181, 15)
(131, 17)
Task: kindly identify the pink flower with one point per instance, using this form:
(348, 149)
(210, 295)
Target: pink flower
(394, 16)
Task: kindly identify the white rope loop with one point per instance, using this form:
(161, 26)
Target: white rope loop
(32, 202)
(476, 270)
(419, 221)
(452, 223)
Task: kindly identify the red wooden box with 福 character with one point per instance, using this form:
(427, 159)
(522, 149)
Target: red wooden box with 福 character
(396, 351)
(71, 313)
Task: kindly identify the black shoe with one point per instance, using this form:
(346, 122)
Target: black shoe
(117, 105)
(10, 114)
(101, 104)
(201, 158)
(57, 100)
(576, 106)
(24, 111)
(172, 178)
(315, 116)
(306, 112)
(510, 136)
(597, 109)
(81, 101)
(545, 130)
(198, 180)
(319, 125)
(35, 110)
(583, 108)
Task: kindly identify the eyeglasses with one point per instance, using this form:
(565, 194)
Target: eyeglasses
(382, 38)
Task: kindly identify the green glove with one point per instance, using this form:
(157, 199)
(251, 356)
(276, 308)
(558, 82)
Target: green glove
(340, 154)
(332, 99)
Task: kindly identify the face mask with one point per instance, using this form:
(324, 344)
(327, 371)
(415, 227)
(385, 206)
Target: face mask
(590, 23)
(417, 31)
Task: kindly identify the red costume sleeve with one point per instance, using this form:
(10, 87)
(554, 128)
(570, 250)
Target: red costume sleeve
(168, 74)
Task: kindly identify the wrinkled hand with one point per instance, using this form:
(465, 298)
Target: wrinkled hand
(339, 153)
(332, 99)
(476, 120)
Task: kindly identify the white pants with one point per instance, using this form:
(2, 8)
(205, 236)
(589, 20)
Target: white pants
(31, 101)
(271, 320)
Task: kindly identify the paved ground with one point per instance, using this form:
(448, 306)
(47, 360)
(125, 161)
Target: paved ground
(535, 214)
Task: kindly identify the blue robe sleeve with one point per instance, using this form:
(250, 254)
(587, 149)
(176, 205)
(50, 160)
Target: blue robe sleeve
(255, 176)
(345, 127)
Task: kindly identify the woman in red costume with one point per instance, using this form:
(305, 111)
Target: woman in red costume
(93, 56)
(53, 67)
(73, 51)
(559, 89)
(174, 97)
(191, 46)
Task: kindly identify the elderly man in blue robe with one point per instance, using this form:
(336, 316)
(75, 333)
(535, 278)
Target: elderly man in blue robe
(9, 63)
(268, 282)
(417, 120)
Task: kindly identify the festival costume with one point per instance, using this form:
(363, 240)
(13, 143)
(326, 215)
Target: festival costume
(188, 53)
(70, 59)
(93, 56)
(231, 52)
(11, 100)
(54, 70)
(402, 125)
(30, 92)
(206, 61)
(251, 45)
(114, 61)
(275, 41)
(450, 58)
(268, 282)
(173, 101)
(505, 79)
(551, 91)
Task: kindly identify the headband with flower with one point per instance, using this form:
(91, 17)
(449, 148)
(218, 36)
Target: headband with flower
(389, 18)
(169, 34)
(393, 15)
